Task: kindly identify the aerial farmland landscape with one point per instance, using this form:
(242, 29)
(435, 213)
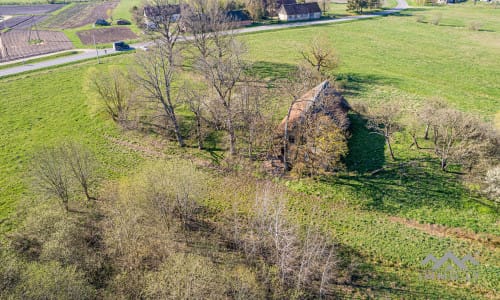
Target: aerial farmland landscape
(249, 149)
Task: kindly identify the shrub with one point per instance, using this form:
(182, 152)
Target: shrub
(185, 277)
(10, 273)
(492, 182)
(475, 26)
(436, 19)
(52, 281)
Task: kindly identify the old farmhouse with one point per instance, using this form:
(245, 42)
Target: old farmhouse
(299, 12)
(322, 100)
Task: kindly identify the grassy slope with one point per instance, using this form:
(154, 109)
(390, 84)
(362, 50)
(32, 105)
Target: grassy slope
(123, 9)
(50, 108)
(388, 57)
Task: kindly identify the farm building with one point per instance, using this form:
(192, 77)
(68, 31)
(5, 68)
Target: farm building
(239, 18)
(155, 14)
(299, 12)
(273, 8)
(321, 101)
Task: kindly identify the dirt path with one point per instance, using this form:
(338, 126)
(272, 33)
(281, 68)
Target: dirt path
(489, 240)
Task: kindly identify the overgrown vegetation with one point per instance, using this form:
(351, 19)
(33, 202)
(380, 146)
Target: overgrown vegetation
(196, 224)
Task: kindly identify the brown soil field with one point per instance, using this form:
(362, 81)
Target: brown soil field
(106, 35)
(15, 44)
(10, 10)
(80, 14)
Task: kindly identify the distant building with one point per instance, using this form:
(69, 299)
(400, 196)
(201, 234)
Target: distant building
(274, 7)
(156, 14)
(299, 12)
(239, 18)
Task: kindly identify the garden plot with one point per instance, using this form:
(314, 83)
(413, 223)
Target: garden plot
(15, 44)
(80, 14)
(106, 35)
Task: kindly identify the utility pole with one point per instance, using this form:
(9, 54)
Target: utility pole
(95, 46)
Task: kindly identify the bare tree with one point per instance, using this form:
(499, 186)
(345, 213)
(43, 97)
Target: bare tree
(426, 113)
(256, 125)
(458, 137)
(82, 165)
(159, 67)
(321, 55)
(115, 89)
(194, 98)
(219, 60)
(383, 119)
(51, 174)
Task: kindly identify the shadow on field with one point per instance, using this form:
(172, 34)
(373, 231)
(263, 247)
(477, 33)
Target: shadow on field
(401, 185)
(358, 277)
(404, 187)
(366, 150)
(355, 83)
(265, 69)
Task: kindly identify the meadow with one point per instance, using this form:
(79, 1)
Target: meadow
(383, 219)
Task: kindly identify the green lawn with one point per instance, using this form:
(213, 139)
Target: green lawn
(44, 108)
(384, 58)
(123, 9)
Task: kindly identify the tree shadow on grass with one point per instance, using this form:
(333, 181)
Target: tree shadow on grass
(366, 150)
(403, 188)
(356, 83)
(265, 69)
(359, 276)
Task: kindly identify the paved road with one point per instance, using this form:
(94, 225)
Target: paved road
(102, 52)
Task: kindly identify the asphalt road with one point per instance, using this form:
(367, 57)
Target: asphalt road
(87, 54)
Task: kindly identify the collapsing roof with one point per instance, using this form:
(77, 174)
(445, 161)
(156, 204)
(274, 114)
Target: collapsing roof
(322, 98)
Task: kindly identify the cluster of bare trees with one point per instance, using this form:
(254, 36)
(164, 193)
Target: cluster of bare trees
(456, 138)
(64, 170)
(206, 76)
(304, 256)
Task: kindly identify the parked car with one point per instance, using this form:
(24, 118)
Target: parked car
(121, 46)
(122, 22)
(102, 22)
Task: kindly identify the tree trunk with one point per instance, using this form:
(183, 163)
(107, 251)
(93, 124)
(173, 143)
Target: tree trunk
(444, 164)
(426, 135)
(87, 194)
(198, 132)
(177, 131)
(286, 137)
(415, 141)
(232, 137)
(387, 139)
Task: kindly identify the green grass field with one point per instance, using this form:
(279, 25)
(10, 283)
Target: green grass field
(49, 110)
(384, 58)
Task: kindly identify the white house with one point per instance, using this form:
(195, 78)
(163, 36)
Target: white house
(299, 12)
